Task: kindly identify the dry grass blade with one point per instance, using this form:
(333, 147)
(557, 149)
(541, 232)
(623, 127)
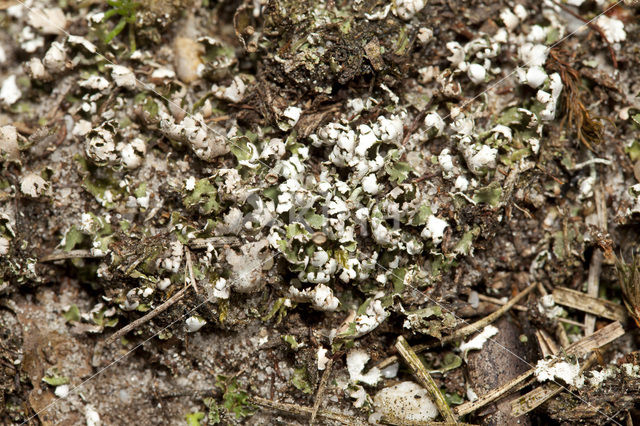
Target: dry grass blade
(479, 325)
(425, 379)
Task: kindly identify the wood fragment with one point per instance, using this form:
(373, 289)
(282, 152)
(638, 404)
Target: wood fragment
(321, 388)
(372, 52)
(425, 379)
(580, 348)
(124, 330)
(469, 329)
(305, 411)
(582, 302)
(539, 395)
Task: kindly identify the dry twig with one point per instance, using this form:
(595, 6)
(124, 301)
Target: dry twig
(305, 411)
(467, 330)
(321, 388)
(72, 254)
(124, 330)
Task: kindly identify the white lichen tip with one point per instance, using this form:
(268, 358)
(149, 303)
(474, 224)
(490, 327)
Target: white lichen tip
(374, 315)
(509, 19)
(533, 55)
(406, 9)
(478, 159)
(290, 117)
(190, 183)
(233, 93)
(321, 297)
(132, 154)
(433, 120)
(163, 284)
(35, 69)
(535, 76)
(461, 183)
(55, 59)
(4, 246)
(424, 35)
(82, 42)
(92, 417)
(62, 391)
(548, 307)
(95, 82)
(222, 289)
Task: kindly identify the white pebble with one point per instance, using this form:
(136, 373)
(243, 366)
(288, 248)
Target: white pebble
(406, 402)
